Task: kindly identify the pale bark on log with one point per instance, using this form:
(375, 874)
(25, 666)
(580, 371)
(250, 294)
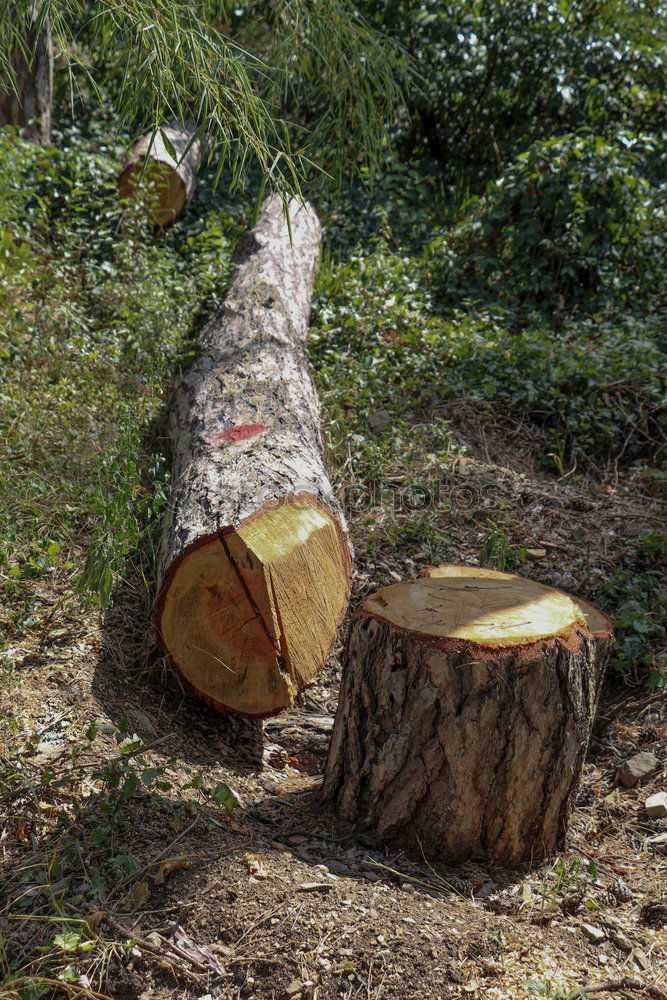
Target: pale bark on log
(254, 565)
(174, 179)
(467, 750)
(29, 106)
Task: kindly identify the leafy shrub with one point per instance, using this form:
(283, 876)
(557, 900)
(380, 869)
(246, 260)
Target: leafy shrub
(95, 314)
(497, 76)
(637, 589)
(381, 342)
(572, 222)
(595, 387)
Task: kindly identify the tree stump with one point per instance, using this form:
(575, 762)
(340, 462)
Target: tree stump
(466, 706)
(255, 564)
(172, 179)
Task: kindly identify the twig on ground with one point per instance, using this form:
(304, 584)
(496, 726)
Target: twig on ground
(622, 984)
(259, 923)
(169, 847)
(158, 952)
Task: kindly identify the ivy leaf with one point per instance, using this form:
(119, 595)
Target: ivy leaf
(68, 939)
(224, 797)
(130, 786)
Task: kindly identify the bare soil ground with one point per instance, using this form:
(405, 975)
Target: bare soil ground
(281, 899)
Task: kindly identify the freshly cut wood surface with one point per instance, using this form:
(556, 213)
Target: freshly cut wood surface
(488, 610)
(171, 181)
(597, 621)
(251, 614)
(255, 562)
(466, 705)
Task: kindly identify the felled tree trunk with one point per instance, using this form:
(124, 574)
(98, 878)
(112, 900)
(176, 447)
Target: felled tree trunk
(254, 569)
(466, 706)
(28, 105)
(152, 171)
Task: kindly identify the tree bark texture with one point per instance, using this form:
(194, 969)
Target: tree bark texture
(255, 561)
(29, 105)
(173, 178)
(465, 749)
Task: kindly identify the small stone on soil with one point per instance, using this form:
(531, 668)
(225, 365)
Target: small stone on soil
(141, 722)
(659, 843)
(638, 768)
(656, 805)
(594, 934)
(621, 941)
(379, 421)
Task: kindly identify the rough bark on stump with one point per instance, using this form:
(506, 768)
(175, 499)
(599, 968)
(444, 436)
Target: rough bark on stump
(465, 710)
(29, 105)
(254, 567)
(173, 179)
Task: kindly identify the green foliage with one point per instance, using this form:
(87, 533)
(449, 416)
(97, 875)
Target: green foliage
(497, 76)
(96, 313)
(638, 592)
(538, 989)
(566, 875)
(595, 386)
(174, 60)
(573, 222)
(498, 553)
(337, 81)
(382, 342)
(224, 797)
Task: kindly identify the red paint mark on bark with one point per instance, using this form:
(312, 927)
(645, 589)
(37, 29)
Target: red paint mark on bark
(239, 433)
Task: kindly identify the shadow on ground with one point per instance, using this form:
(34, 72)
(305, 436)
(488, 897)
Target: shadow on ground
(132, 681)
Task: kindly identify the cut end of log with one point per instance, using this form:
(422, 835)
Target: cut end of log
(252, 590)
(598, 623)
(167, 194)
(489, 611)
(250, 614)
(161, 168)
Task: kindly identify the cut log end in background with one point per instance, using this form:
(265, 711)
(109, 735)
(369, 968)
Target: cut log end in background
(466, 706)
(255, 562)
(153, 172)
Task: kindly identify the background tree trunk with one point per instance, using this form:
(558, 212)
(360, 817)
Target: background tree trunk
(254, 570)
(466, 706)
(29, 106)
(173, 179)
